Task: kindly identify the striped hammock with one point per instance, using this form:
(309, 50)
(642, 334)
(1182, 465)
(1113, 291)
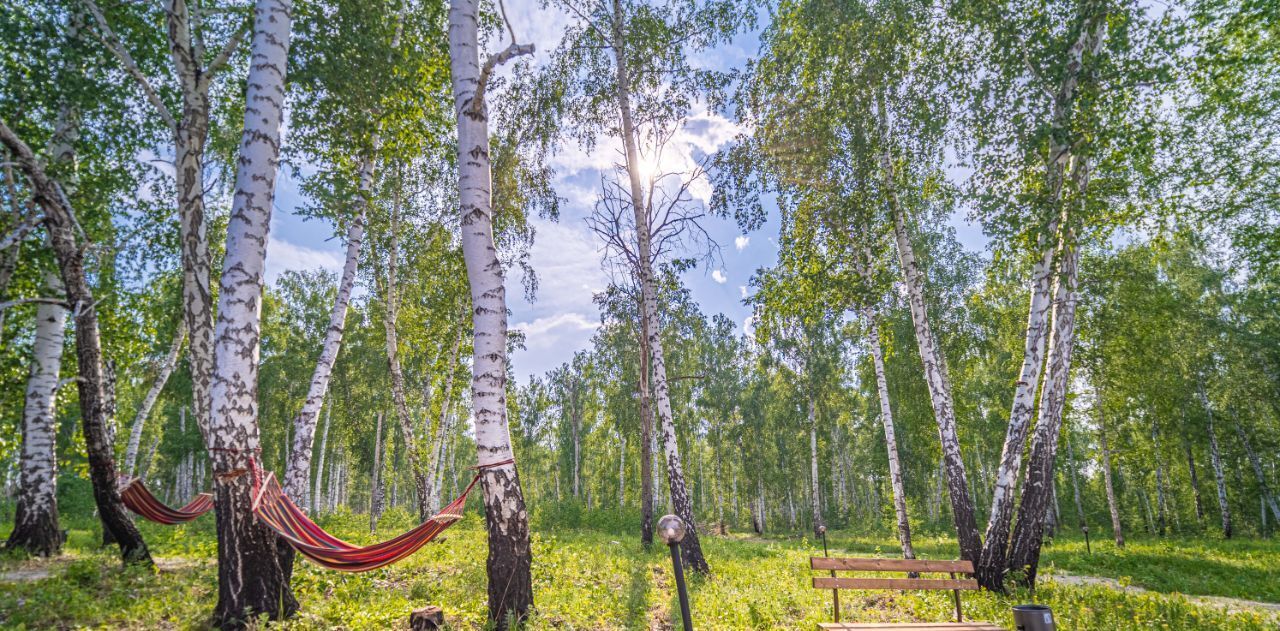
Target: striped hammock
(279, 513)
(138, 498)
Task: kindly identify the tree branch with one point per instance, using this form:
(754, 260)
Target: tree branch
(24, 301)
(113, 44)
(225, 54)
(20, 231)
(511, 52)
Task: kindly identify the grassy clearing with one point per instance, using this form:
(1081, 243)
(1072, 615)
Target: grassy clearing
(590, 579)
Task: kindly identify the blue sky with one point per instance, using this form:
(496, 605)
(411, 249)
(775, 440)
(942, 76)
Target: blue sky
(566, 255)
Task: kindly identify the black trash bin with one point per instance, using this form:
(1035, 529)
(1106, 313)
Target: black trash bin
(1033, 618)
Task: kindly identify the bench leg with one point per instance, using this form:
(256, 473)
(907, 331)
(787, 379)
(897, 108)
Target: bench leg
(959, 615)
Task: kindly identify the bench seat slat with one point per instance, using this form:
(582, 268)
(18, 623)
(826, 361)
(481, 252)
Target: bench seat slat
(890, 565)
(912, 626)
(828, 582)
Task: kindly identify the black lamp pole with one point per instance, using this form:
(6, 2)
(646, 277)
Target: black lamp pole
(672, 530)
(835, 593)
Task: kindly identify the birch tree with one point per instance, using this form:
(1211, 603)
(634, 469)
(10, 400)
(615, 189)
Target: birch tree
(195, 68)
(65, 240)
(626, 74)
(251, 581)
(35, 523)
(166, 367)
(507, 521)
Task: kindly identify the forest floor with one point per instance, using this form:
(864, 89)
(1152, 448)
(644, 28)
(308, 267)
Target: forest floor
(593, 579)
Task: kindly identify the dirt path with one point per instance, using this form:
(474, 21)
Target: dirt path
(40, 569)
(1231, 605)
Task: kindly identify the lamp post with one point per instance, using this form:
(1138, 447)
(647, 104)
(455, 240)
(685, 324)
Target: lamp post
(835, 593)
(1087, 547)
(672, 529)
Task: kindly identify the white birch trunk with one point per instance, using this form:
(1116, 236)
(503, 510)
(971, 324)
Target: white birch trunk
(814, 487)
(36, 529)
(936, 377)
(413, 440)
(444, 427)
(622, 473)
(1036, 493)
(250, 579)
(318, 499)
(1112, 505)
(890, 437)
(149, 401)
(297, 478)
(1219, 472)
(680, 500)
(375, 479)
(1161, 504)
(1268, 500)
(507, 521)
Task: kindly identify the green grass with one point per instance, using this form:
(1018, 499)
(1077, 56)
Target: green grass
(591, 579)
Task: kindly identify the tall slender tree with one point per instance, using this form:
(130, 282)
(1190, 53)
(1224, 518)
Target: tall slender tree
(251, 581)
(506, 518)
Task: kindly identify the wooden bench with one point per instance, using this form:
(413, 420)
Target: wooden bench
(912, 566)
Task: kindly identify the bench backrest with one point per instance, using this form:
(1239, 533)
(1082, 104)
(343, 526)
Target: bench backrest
(910, 566)
(891, 565)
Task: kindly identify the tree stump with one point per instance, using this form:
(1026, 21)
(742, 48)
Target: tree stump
(428, 618)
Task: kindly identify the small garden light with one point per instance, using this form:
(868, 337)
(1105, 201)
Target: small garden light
(672, 530)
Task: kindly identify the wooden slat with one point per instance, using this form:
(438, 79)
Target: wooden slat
(827, 582)
(890, 565)
(912, 626)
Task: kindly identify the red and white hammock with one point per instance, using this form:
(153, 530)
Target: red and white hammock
(279, 513)
(139, 499)
(275, 510)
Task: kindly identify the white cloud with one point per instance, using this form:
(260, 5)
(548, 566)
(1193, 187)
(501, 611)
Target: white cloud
(572, 321)
(749, 326)
(284, 256)
(742, 289)
(741, 242)
(719, 277)
(567, 258)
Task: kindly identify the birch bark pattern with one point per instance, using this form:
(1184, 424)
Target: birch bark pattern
(1194, 478)
(1215, 458)
(647, 485)
(412, 439)
(35, 525)
(690, 547)
(297, 478)
(1268, 500)
(890, 436)
(935, 371)
(149, 401)
(1112, 505)
(375, 479)
(318, 499)
(509, 561)
(1037, 489)
(61, 225)
(250, 580)
(992, 564)
(818, 526)
(445, 426)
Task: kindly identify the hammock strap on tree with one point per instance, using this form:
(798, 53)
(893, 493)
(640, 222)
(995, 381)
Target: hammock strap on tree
(274, 509)
(140, 500)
